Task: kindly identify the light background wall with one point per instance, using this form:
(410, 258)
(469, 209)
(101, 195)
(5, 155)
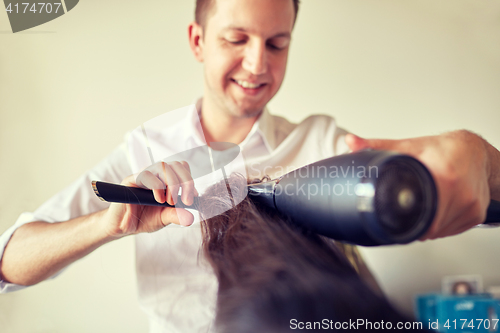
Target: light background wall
(71, 88)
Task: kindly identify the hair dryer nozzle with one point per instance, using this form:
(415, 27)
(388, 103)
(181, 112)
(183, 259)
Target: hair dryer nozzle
(263, 192)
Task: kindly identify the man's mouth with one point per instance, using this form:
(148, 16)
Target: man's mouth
(247, 85)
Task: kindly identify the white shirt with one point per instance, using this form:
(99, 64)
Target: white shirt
(177, 288)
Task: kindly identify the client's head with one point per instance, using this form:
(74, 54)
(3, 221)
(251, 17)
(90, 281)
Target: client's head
(274, 275)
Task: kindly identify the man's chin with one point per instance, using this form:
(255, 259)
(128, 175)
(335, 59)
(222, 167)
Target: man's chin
(248, 113)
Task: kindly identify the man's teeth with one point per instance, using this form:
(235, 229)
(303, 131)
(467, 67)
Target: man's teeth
(248, 85)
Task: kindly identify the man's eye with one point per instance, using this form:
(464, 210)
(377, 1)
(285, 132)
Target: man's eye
(236, 42)
(274, 47)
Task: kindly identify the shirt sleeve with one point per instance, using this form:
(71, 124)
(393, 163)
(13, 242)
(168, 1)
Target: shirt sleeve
(335, 139)
(339, 145)
(76, 200)
(331, 138)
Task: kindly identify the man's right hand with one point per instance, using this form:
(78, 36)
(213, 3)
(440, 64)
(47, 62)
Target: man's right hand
(165, 180)
(38, 250)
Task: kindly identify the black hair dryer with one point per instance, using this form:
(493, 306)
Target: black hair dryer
(367, 198)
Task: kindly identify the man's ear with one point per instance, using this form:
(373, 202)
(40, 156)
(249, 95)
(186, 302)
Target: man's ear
(195, 32)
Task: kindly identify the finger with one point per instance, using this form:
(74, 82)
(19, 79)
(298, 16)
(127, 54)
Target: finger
(456, 212)
(186, 182)
(441, 219)
(130, 181)
(356, 143)
(454, 228)
(148, 180)
(186, 165)
(172, 181)
(470, 217)
(451, 220)
(176, 215)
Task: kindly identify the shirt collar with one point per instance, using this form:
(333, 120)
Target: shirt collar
(265, 125)
(193, 132)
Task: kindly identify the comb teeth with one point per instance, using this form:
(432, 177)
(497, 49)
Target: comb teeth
(96, 191)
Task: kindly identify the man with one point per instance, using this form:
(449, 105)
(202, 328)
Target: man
(244, 47)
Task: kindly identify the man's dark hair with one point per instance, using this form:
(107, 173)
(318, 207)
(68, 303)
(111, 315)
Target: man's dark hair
(203, 7)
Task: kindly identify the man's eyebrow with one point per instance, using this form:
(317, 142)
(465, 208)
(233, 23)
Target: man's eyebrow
(280, 34)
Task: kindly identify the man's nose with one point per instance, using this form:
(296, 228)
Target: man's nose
(255, 60)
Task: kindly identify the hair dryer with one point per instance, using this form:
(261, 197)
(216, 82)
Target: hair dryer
(367, 198)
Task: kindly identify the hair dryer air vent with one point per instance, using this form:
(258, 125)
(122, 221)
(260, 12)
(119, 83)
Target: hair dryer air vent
(404, 199)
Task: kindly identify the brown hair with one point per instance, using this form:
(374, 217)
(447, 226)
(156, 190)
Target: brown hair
(271, 271)
(204, 7)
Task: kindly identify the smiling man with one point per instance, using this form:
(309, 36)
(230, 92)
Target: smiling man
(244, 47)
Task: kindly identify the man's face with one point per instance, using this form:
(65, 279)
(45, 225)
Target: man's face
(245, 50)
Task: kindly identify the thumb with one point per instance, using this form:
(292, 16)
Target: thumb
(356, 143)
(178, 216)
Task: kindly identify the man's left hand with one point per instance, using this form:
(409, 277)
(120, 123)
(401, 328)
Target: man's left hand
(465, 168)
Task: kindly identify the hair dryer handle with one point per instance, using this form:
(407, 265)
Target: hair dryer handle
(493, 213)
(132, 195)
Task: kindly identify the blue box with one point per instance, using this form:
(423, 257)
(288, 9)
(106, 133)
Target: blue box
(449, 313)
